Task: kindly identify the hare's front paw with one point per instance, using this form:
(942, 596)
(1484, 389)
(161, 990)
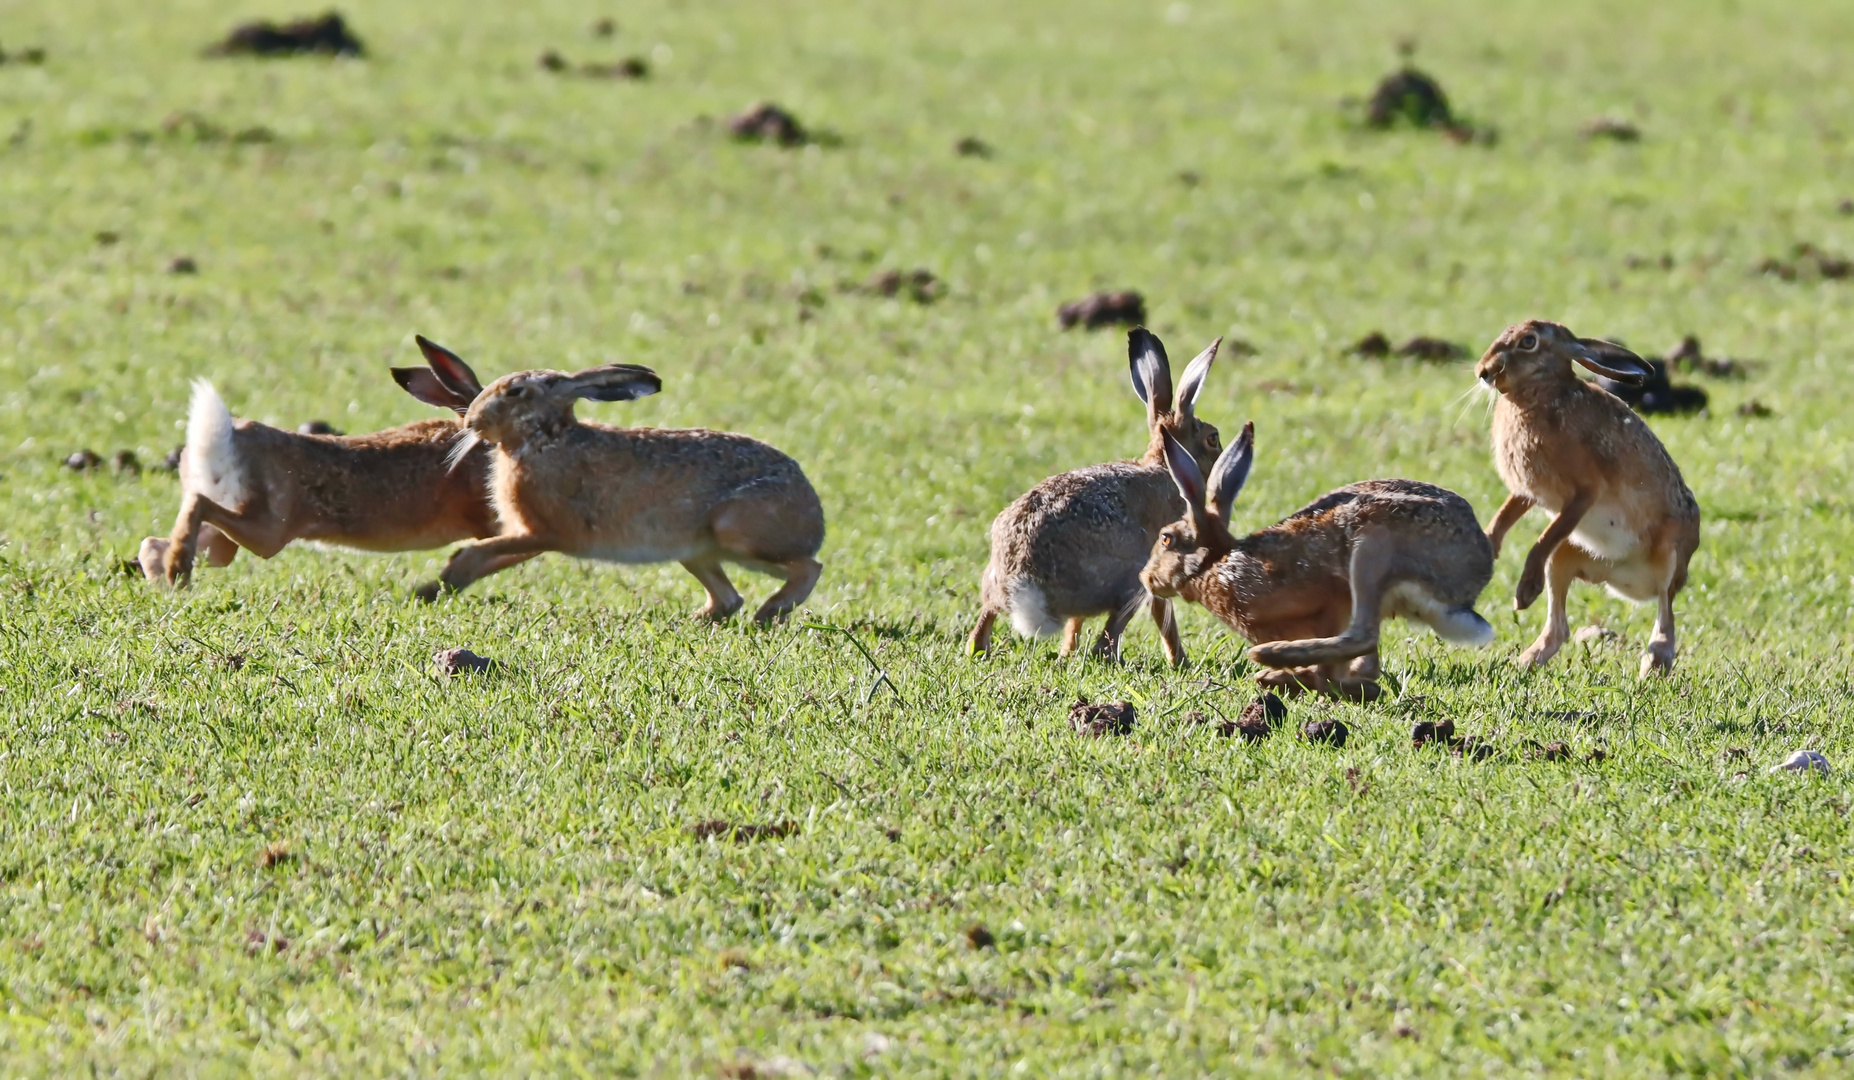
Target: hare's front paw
(429, 591)
(1531, 584)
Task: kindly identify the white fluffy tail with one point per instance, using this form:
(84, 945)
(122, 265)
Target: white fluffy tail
(209, 465)
(1030, 614)
(1463, 626)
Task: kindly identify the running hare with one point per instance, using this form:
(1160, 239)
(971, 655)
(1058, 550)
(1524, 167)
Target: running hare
(1072, 547)
(1311, 590)
(246, 484)
(1624, 517)
(636, 495)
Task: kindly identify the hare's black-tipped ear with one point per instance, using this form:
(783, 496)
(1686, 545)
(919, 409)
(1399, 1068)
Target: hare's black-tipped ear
(1232, 472)
(1152, 372)
(450, 369)
(1185, 473)
(424, 385)
(1611, 361)
(1191, 383)
(612, 382)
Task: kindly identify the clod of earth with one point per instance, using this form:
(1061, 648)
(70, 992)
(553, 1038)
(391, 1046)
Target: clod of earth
(1259, 719)
(328, 35)
(1428, 348)
(1754, 409)
(1472, 748)
(1103, 309)
(107, 237)
(980, 938)
(1606, 127)
(972, 146)
(183, 264)
(605, 27)
(126, 463)
(1432, 731)
(1558, 750)
(551, 60)
(1411, 96)
(1803, 761)
(1108, 718)
(719, 828)
(766, 122)
(1845, 206)
(631, 67)
(460, 661)
(1596, 756)
(1687, 356)
(316, 427)
(919, 284)
(1372, 344)
(33, 55)
(275, 854)
(1805, 258)
(1657, 394)
(171, 461)
(83, 461)
(1638, 262)
(1332, 732)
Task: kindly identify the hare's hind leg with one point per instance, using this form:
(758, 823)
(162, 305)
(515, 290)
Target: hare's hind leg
(1567, 564)
(1071, 635)
(978, 643)
(801, 576)
(723, 599)
(1373, 557)
(201, 519)
(1107, 646)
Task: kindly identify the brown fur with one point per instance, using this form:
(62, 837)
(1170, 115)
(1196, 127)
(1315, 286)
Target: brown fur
(1623, 515)
(1311, 591)
(392, 490)
(1079, 539)
(637, 495)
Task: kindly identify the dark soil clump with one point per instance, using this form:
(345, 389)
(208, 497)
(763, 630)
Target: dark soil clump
(83, 461)
(1657, 395)
(1410, 96)
(973, 146)
(1434, 349)
(328, 35)
(918, 285)
(742, 833)
(461, 661)
(766, 122)
(1374, 344)
(1103, 309)
(1331, 732)
(1109, 718)
(1606, 127)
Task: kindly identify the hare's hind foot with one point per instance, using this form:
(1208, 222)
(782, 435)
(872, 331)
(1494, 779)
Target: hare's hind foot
(1292, 682)
(978, 643)
(152, 557)
(801, 576)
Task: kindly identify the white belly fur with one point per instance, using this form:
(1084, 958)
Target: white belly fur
(1605, 533)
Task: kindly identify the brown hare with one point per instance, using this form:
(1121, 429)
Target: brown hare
(636, 495)
(1623, 516)
(1072, 547)
(246, 484)
(1311, 590)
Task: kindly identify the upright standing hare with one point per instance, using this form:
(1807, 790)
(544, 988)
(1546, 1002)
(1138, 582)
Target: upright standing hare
(1072, 547)
(636, 495)
(1624, 517)
(1311, 590)
(246, 484)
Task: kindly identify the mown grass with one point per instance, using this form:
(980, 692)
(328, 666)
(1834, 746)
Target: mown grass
(247, 828)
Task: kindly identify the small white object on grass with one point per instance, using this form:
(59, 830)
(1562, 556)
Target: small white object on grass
(1803, 761)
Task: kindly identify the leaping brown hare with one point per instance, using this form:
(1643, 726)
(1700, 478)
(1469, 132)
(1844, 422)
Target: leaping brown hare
(1072, 546)
(248, 485)
(636, 495)
(1311, 591)
(1623, 516)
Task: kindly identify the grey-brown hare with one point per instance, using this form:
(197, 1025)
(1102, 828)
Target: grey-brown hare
(1072, 547)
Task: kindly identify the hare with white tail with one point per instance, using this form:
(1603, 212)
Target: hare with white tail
(1072, 547)
(636, 495)
(1312, 590)
(248, 485)
(1623, 516)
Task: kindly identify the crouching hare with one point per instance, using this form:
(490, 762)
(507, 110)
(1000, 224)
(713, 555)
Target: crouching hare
(1311, 590)
(636, 495)
(248, 485)
(1072, 547)
(1622, 514)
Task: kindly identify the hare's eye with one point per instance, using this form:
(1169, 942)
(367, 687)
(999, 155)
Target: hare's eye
(1529, 342)
(1213, 442)
(1168, 541)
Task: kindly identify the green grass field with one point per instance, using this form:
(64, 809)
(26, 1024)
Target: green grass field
(246, 828)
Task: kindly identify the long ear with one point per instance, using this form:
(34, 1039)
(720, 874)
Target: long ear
(1231, 472)
(450, 368)
(1611, 361)
(1152, 372)
(610, 382)
(423, 384)
(1192, 383)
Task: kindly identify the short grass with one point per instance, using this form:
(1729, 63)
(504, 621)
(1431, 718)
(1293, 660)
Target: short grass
(245, 828)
